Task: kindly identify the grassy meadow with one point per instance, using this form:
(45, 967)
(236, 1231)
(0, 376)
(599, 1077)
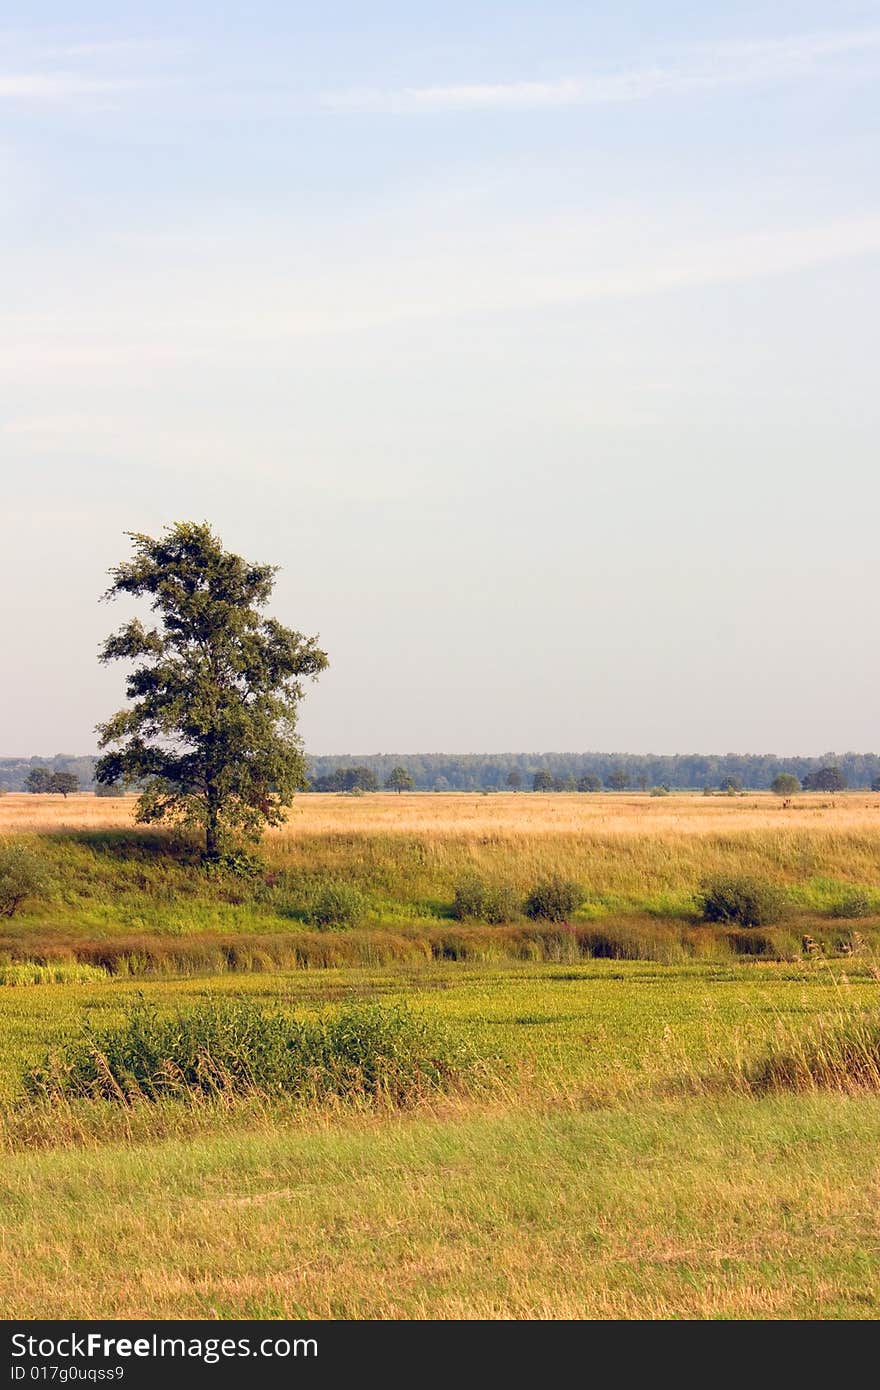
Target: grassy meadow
(612, 1154)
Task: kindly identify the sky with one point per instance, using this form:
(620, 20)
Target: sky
(536, 342)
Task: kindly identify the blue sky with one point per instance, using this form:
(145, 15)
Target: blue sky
(537, 343)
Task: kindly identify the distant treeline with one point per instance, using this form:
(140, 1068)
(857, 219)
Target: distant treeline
(494, 772)
(505, 771)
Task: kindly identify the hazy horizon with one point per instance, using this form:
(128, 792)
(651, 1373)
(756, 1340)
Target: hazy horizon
(536, 344)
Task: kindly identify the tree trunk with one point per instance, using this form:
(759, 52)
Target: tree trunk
(212, 828)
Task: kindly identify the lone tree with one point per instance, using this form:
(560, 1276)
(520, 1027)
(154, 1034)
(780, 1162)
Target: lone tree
(542, 781)
(63, 783)
(514, 779)
(785, 784)
(211, 731)
(399, 780)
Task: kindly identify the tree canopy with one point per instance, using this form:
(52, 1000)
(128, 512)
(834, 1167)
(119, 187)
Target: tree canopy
(825, 779)
(210, 730)
(785, 784)
(399, 780)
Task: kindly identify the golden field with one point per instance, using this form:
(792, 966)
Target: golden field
(503, 813)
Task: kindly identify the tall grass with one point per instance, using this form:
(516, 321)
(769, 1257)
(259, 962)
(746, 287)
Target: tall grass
(233, 1048)
(840, 1053)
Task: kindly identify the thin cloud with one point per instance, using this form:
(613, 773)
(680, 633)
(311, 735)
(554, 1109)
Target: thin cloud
(61, 86)
(731, 64)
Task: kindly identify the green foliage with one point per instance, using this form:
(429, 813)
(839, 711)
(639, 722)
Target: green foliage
(785, 784)
(589, 783)
(23, 875)
(618, 779)
(210, 730)
(543, 781)
(336, 904)
(234, 1047)
(347, 779)
(38, 780)
(479, 900)
(399, 780)
(63, 783)
(855, 904)
(748, 902)
(825, 779)
(553, 899)
(109, 789)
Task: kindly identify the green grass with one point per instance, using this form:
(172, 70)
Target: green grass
(140, 887)
(621, 1157)
(599, 1178)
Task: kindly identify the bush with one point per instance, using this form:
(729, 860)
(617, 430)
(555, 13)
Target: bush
(23, 875)
(553, 900)
(855, 904)
(749, 902)
(236, 1048)
(480, 901)
(336, 905)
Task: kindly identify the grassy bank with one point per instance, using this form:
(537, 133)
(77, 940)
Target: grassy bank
(137, 902)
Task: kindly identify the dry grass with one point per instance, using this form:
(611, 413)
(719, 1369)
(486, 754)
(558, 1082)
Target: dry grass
(505, 814)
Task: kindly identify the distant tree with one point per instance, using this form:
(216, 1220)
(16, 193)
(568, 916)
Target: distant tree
(441, 784)
(589, 783)
(63, 783)
(359, 779)
(399, 780)
(785, 784)
(875, 784)
(514, 779)
(826, 779)
(731, 784)
(211, 730)
(38, 780)
(542, 781)
(617, 779)
(569, 784)
(642, 782)
(109, 789)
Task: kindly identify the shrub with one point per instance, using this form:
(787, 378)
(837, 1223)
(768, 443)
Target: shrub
(553, 900)
(855, 904)
(23, 875)
(484, 902)
(748, 902)
(336, 904)
(236, 1048)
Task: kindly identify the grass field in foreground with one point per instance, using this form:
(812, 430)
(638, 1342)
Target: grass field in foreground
(588, 1185)
(612, 1166)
